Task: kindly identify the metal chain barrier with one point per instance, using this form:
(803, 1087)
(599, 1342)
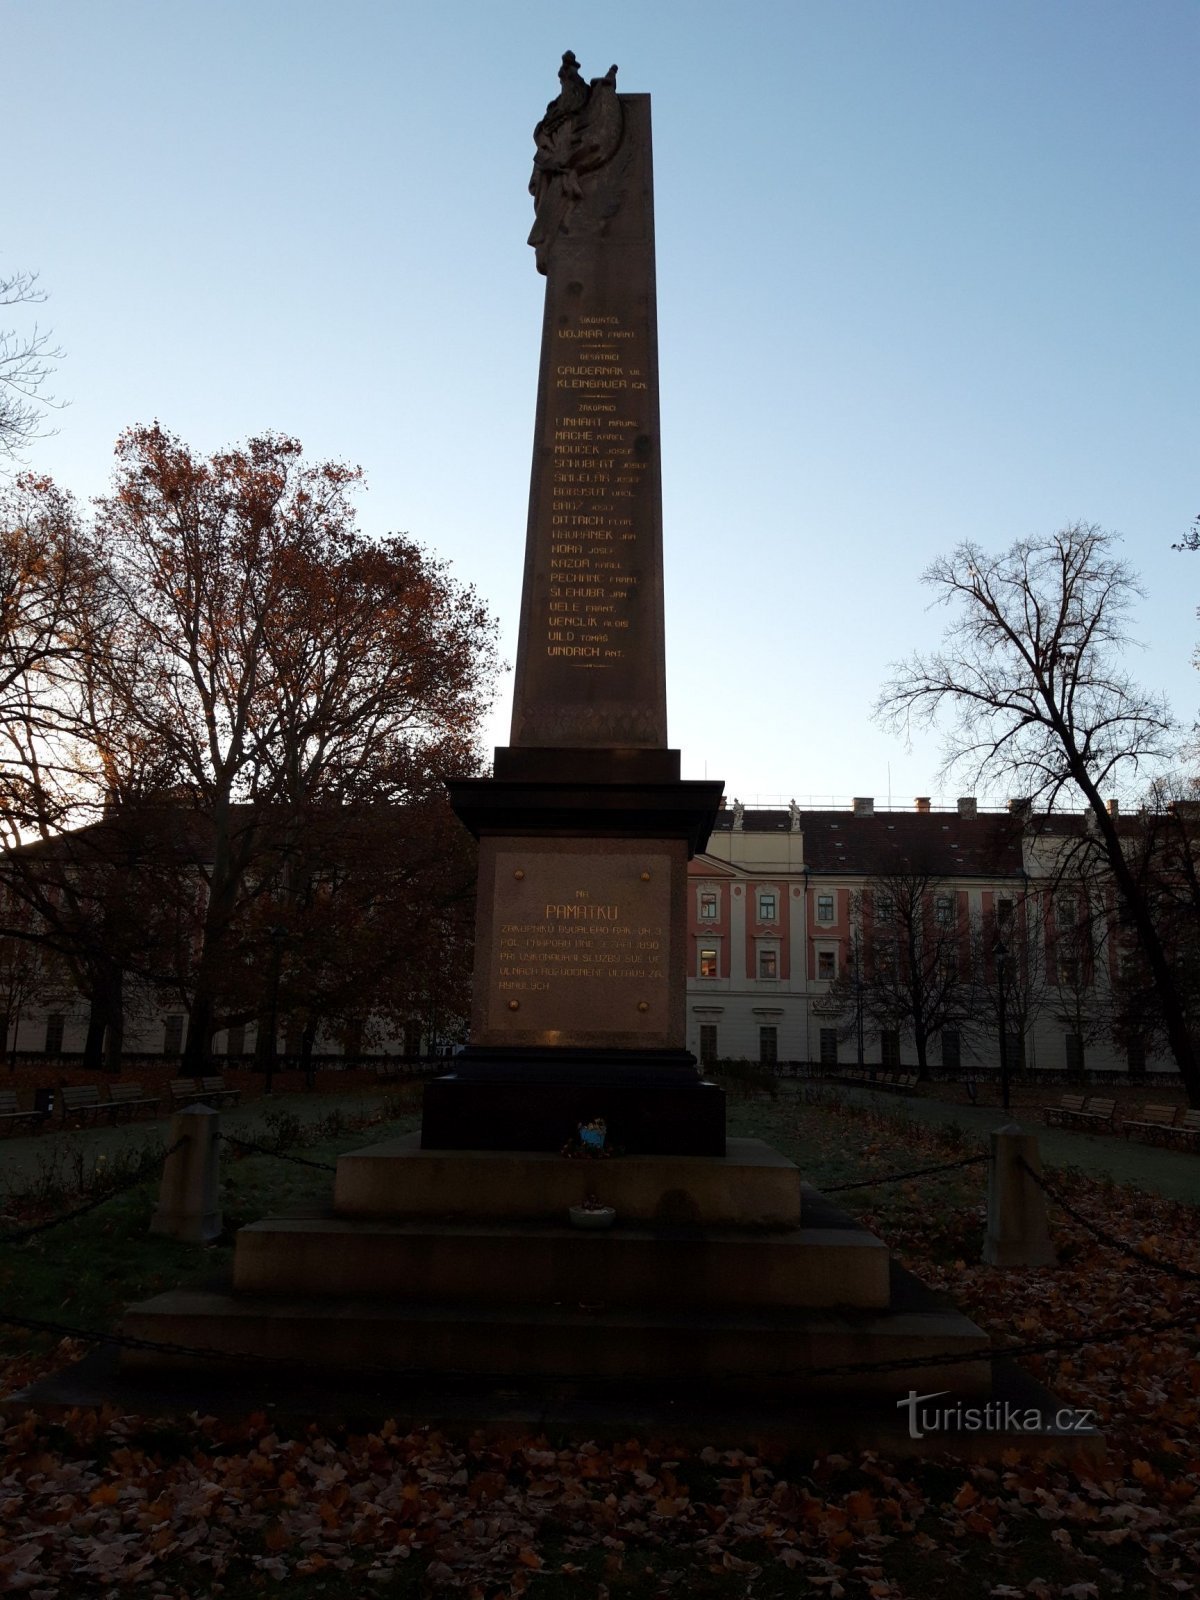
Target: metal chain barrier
(81, 1211)
(266, 1150)
(903, 1177)
(1102, 1234)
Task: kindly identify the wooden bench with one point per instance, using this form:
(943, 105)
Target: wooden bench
(194, 1091)
(217, 1089)
(1153, 1124)
(1099, 1112)
(1185, 1131)
(83, 1100)
(11, 1118)
(128, 1099)
(1069, 1106)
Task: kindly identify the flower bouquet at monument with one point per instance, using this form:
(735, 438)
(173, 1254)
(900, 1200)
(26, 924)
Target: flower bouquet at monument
(590, 1142)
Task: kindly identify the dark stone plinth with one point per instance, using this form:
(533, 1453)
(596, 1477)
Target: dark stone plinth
(682, 1118)
(584, 807)
(560, 764)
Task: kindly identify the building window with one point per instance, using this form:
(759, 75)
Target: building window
(824, 908)
(708, 1043)
(885, 910)
(829, 1044)
(1016, 1051)
(1068, 972)
(352, 1038)
(826, 964)
(708, 905)
(412, 1038)
(54, 1033)
(943, 910)
(768, 906)
(1004, 913)
(768, 962)
(951, 1050)
(1066, 912)
(172, 1035)
(768, 1046)
(889, 1049)
(235, 1040)
(708, 963)
(1135, 1058)
(1073, 1046)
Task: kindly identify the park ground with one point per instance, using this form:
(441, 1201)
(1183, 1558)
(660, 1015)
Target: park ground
(95, 1500)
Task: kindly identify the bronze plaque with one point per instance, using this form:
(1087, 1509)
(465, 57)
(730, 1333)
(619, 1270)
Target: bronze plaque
(577, 944)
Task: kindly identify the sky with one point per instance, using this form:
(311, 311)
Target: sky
(926, 273)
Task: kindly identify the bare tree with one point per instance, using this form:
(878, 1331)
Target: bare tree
(27, 361)
(1030, 671)
(909, 970)
(1009, 974)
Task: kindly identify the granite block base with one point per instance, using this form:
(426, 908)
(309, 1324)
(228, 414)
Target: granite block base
(682, 1118)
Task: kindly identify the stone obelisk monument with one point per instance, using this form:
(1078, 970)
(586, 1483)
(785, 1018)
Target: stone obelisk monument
(585, 830)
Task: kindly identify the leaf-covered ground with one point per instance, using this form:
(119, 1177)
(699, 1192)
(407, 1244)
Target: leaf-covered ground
(98, 1502)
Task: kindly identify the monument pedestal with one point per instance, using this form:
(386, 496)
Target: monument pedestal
(722, 1274)
(580, 971)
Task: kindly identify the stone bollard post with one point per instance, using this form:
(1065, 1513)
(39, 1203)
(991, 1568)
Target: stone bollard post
(188, 1205)
(1017, 1231)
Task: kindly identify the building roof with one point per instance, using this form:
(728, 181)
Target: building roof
(944, 844)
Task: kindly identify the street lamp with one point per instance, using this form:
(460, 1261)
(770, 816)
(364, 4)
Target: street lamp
(1001, 961)
(278, 935)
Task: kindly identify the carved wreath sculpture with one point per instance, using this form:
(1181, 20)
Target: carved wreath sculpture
(580, 132)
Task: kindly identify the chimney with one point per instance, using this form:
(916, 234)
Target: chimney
(1020, 808)
(922, 803)
(864, 805)
(968, 806)
(1114, 807)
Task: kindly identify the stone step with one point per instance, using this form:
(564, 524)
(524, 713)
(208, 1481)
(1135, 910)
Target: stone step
(539, 1263)
(778, 1353)
(752, 1185)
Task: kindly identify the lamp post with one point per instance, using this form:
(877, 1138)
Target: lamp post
(1001, 961)
(278, 935)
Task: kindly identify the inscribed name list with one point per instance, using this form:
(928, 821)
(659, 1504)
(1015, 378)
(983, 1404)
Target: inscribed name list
(601, 459)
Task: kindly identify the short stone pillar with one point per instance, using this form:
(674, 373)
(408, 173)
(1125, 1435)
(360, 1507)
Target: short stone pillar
(1017, 1231)
(188, 1205)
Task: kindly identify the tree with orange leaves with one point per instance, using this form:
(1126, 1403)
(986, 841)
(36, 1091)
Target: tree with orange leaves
(257, 659)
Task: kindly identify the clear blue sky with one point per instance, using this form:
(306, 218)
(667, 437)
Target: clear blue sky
(927, 271)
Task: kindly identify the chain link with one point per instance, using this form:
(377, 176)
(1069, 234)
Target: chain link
(81, 1211)
(266, 1150)
(903, 1177)
(1113, 1241)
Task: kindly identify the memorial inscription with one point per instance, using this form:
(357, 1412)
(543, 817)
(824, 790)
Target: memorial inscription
(600, 460)
(580, 943)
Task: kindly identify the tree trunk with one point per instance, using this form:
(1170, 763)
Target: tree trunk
(93, 1048)
(307, 1040)
(114, 1038)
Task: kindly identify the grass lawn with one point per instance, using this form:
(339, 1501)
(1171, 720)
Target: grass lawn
(95, 1502)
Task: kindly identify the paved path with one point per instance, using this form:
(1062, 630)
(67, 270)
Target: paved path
(22, 1161)
(1173, 1173)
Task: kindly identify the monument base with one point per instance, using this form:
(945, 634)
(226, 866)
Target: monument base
(650, 1108)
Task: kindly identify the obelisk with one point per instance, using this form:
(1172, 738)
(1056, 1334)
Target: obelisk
(585, 830)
